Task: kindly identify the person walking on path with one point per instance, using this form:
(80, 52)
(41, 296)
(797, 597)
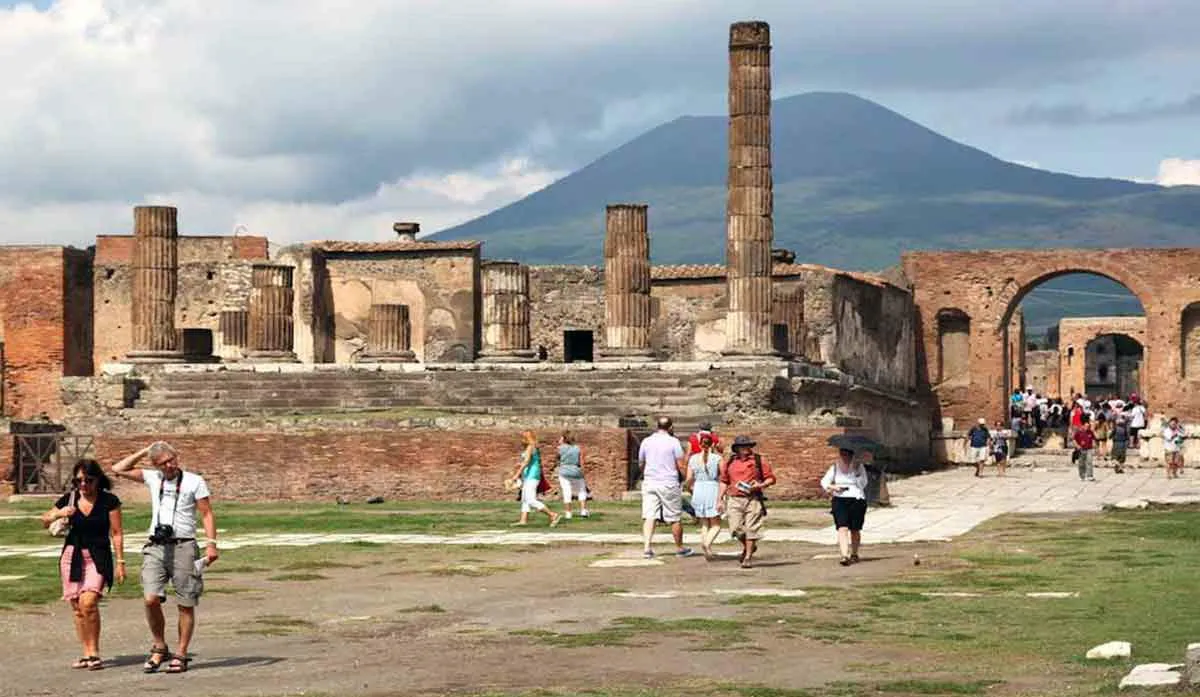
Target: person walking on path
(999, 445)
(661, 459)
(1120, 441)
(172, 554)
(846, 482)
(1103, 432)
(533, 481)
(743, 480)
(1085, 444)
(704, 470)
(86, 562)
(570, 474)
(1137, 421)
(1173, 439)
(977, 445)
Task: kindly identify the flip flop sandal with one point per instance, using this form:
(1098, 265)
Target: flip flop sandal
(162, 653)
(81, 662)
(94, 663)
(178, 664)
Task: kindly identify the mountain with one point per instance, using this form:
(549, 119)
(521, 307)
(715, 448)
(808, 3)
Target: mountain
(855, 185)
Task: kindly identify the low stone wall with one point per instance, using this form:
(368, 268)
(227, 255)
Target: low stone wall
(953, 448)
(426, 464)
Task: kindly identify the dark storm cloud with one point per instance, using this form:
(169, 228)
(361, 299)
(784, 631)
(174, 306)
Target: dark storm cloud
(1081, 114)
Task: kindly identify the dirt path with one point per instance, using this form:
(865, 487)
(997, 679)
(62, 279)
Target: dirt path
(371, 629)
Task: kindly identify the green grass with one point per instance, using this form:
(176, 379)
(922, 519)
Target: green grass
(298, 577)
(635, 631)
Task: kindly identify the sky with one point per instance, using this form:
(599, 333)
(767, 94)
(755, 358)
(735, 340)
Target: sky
(323, 119)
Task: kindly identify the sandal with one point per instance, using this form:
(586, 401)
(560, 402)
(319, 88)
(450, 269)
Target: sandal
(853, 558)
(151, 665)
(845, 561)
(94, 663)
(179, 664)
(81, 662)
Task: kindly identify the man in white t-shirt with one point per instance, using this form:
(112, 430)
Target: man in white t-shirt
(662, 461)
(1137, 421)
(172, 554)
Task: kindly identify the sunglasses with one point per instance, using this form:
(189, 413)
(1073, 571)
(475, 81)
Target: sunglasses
(85, 480)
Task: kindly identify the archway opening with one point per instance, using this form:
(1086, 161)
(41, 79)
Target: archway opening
(1049, 338)
(1190, 342)
(1113, 366)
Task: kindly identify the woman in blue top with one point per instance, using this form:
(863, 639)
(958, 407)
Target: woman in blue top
(570, 474)
(529, 472)
(704, 469)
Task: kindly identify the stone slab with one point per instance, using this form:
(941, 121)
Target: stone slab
(1152, 675)
(761, 592)
(1109, 650)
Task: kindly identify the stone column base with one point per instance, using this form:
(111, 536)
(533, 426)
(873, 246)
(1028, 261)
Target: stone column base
(513, 356)
(752, 353)
(150, 357)
(396, 357)
(625, 355)
(271, 357)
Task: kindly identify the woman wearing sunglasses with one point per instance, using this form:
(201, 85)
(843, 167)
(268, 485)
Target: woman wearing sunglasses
(86, 563)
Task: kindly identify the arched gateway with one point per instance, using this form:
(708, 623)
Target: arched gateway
(987, 286)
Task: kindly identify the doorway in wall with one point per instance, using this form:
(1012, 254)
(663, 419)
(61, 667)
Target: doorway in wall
(578, 345)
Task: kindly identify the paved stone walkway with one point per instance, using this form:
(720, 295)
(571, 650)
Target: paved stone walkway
(930, 507)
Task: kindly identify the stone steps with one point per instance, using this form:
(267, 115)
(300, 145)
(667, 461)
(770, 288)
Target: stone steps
(347, 401)
(596, 410)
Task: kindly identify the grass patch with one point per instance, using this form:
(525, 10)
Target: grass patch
(765, 600)
(297, 577)
(470, 570)
(625, 631)
(938, 687)
(423, 608)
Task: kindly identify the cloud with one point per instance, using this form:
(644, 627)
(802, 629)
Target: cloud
(1081, 114)
(1178, 172)
(435, 200)
(327, 108)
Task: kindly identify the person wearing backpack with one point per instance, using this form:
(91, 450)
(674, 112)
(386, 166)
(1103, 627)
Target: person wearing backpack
(741, 485)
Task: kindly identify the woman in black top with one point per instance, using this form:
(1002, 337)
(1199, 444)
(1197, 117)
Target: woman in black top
(86, 562)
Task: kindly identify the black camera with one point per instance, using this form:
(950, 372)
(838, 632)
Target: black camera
(162, 534)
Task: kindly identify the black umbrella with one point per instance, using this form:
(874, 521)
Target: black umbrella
(850, 441)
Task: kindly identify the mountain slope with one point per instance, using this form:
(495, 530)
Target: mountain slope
(855, 185)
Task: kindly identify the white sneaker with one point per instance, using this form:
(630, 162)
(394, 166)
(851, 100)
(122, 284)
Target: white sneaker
(583, 514)
(568, 515)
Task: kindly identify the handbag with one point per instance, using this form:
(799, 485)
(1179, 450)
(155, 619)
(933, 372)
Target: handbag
(512, 483)
(59, 527)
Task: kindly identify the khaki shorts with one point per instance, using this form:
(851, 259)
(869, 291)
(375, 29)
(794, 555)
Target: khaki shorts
(745, 517)
(174, 562)
(663, 503)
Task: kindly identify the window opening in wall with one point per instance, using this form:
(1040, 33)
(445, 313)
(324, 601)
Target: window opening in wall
(779, 337)
(1102, 371)
(1190, 344)
(578, 345)
(954, 347)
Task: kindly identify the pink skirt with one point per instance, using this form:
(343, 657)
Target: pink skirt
(92, 581)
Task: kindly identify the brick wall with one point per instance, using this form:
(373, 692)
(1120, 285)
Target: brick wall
(989, 285)
(31, 312)
(429, 464)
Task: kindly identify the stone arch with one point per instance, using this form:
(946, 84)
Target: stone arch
(1189, 359)
(1014, 289)
(954, 346)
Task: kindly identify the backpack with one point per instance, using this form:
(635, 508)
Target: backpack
(762, 498)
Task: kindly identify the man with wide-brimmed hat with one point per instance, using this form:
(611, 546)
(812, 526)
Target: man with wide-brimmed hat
(742, 482)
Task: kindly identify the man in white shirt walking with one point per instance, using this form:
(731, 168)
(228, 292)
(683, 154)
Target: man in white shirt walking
(172, 554)
(662, 460)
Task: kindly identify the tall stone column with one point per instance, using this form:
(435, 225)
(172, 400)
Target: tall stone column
(233, 327)
(788, 312)
(270, 319)
(155, 281)
(389, 335)
(506, 336)
(626, 284)
(749, 204)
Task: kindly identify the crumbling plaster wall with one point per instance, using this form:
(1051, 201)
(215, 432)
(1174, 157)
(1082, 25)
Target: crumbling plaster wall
(439, 287)
(565, 298)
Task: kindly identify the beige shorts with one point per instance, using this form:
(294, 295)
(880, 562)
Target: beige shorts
(663, 503)
(746, 517)
(174, 562)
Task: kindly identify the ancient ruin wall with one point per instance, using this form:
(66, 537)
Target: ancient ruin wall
(988, 285)
(33, 298)
(1075, 333)
(565, 298)
(214, 275)
(439, 289)
(1042, 372)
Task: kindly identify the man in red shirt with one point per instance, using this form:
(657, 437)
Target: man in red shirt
(1085, 444)
(740, 490)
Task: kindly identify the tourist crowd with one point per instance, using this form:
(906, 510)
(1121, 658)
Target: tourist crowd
(1093, 428)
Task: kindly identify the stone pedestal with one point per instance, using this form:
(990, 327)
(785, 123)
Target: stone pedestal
(155, 280)
(506, 336)
(270, 318)
(626, 284)
(234, 330)
(749, 204)
(787, 311)
(389, 336)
